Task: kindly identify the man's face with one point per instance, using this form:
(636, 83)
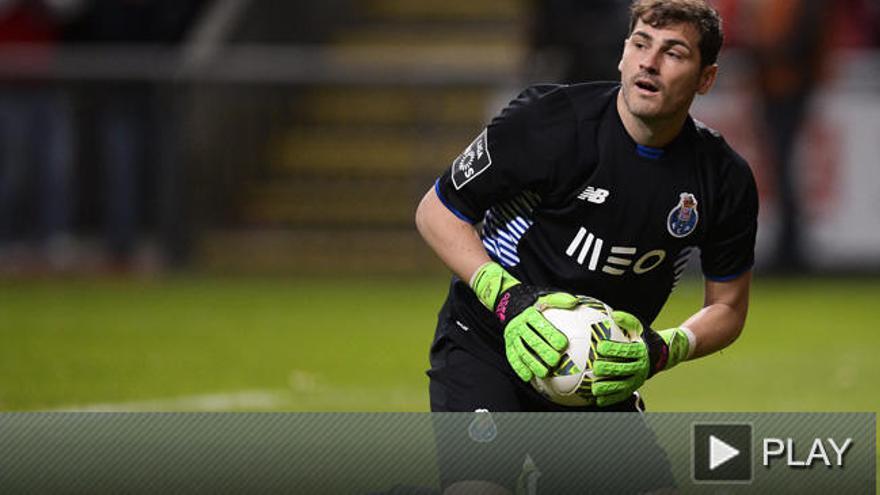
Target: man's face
(660, 71)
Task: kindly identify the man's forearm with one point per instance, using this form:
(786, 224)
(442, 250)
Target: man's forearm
(455, 241)
(723, 316)
(714, 327)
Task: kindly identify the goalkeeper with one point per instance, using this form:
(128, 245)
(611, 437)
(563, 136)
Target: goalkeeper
(602, 189)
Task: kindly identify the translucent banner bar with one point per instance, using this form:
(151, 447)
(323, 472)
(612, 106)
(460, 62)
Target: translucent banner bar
(477, 452)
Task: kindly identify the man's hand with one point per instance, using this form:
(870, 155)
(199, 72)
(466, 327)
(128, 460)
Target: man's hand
(621, 368)
(528, 336)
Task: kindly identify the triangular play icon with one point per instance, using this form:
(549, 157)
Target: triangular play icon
(720, 452)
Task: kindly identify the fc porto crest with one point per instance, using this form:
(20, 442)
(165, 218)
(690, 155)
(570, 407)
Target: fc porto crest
(682, 220)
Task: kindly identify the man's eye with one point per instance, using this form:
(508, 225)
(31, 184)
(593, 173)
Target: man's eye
(675, 55)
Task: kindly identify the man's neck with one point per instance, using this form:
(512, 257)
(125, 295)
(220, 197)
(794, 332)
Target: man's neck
(655, 133)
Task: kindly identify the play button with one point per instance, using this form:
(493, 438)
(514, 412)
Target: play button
(722, 453)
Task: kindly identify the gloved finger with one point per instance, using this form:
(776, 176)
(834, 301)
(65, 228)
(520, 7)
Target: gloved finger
(545, 329)
(627, 322)
(521, 370)
(560, 300)
(534, 365)
(519, 328)
(539, 346)
(621, 350)
(609, 387)
(603, 368)
(608, 400)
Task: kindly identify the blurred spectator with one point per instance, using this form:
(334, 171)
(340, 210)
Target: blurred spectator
(857, 24)
(36, 143)
(576, 41)
(132, 121)
(789, 46)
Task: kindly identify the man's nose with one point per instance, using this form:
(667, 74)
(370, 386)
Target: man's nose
(649, 62)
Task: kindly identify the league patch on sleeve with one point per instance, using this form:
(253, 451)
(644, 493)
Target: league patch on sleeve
(471, 162)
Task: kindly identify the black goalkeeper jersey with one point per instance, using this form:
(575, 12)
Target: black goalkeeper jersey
(566, 199)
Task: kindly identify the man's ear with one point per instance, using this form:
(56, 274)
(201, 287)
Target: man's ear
(707, 78)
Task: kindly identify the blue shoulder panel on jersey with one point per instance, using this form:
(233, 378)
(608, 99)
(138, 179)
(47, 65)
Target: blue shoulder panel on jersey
(727, 278)
(449, 205)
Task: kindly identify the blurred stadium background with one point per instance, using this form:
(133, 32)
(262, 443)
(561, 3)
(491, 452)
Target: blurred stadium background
(207, 205)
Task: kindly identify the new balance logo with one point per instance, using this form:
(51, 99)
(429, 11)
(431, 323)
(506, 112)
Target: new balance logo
(594, 195)
(620, 260)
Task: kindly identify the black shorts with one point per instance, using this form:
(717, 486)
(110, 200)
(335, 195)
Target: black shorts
(541, 452)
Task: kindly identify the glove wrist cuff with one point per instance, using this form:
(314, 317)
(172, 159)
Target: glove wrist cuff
(658, 351)
(514, 301)
(489, 282)
(692, 341)
(680, 343)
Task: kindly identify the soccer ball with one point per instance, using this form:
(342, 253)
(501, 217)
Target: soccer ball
(569, 382)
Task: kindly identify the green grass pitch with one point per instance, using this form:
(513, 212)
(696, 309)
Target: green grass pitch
(317, 344)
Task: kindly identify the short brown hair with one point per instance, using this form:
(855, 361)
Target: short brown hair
(661, 13)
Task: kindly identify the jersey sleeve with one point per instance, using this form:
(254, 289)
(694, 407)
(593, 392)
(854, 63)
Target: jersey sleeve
(729, 248)
(518, 151)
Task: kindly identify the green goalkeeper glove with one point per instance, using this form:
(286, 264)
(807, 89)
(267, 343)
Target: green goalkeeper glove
(621, 368)
(528, 336)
